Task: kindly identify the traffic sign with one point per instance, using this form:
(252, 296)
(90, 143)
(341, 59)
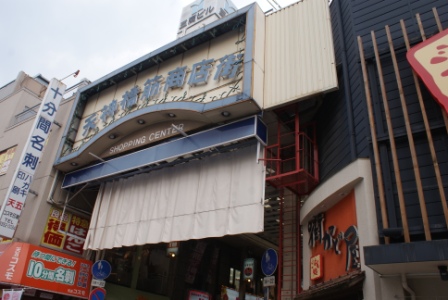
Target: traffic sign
(97, 294)
(269, 281)
(101, 269)
(98, 282)
(269, 262)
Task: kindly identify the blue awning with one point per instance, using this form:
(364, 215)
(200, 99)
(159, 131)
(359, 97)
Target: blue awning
(230, 135)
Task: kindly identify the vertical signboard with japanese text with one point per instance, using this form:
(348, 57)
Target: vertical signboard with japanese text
(333, 241)
(18, 190)
(65, 232)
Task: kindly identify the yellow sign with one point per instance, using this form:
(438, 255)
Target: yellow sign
(65, 232)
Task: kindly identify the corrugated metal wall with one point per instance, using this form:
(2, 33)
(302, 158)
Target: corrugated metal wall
(299, 63)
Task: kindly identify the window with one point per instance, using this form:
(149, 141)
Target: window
(5, 159)
(234, 278)
(154, 269)
(122, 261)
(144, 268)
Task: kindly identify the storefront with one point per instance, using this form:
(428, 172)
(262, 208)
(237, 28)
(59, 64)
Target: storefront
(335, 267)
(338, 219)
(170, 150)
(172, 145)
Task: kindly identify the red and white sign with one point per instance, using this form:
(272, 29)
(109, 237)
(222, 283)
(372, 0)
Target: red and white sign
(316, 267)
(12, 295)
(429, 59)
(198, 295)
(231, 294)
(45, 269)
(65, 232)
(249, 266)
(97, 294)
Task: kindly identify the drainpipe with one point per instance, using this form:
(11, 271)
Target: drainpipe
(53, 187)
(347, 85)
(404, 283)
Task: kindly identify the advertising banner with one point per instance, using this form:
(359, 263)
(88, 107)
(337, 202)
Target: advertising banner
(249, 266)
(45, 269)
(66, 232)
(429, 60)
(333, 240)
(231, 294)
(198, 295)
(33, 150)
(12, 295)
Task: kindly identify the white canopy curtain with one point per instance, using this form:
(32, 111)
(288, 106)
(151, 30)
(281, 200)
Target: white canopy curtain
(212, 197)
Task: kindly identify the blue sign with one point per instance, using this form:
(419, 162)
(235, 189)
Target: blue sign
(269, 262)
(97, 294)
(101, 269)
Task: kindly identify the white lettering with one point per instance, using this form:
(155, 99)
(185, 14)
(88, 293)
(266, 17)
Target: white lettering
(124, 146)
(159, 134)
(164, 132)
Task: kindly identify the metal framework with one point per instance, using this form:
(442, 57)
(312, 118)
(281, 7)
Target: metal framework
(292, 168)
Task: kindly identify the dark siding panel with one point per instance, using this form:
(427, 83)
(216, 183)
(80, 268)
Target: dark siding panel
(332, 124)
(333, 134)
(337, 39)
(360, 17)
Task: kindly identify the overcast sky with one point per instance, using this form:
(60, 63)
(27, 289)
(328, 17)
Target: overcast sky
(57, 37)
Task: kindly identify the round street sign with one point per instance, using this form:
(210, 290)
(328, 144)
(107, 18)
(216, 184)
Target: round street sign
(101, 269)
(97, 294)
(269, 262)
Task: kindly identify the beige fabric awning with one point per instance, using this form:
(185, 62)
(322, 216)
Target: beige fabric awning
(217, 196)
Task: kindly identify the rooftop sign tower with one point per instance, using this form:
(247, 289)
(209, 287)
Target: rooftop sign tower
(203, 12)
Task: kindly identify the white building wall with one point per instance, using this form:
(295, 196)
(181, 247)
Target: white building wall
(300, 58)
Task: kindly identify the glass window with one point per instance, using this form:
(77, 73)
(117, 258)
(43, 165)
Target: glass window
(154, 269)
(122, 261)
(5, 159)
(234, 278)
(237, 278)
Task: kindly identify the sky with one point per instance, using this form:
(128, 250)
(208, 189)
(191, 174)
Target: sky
(55, 38)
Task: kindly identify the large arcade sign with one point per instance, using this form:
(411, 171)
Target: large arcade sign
(183, 86)
(203, 81)
(429, 59)
(333, 239)
(48, 270)
(227, 70)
